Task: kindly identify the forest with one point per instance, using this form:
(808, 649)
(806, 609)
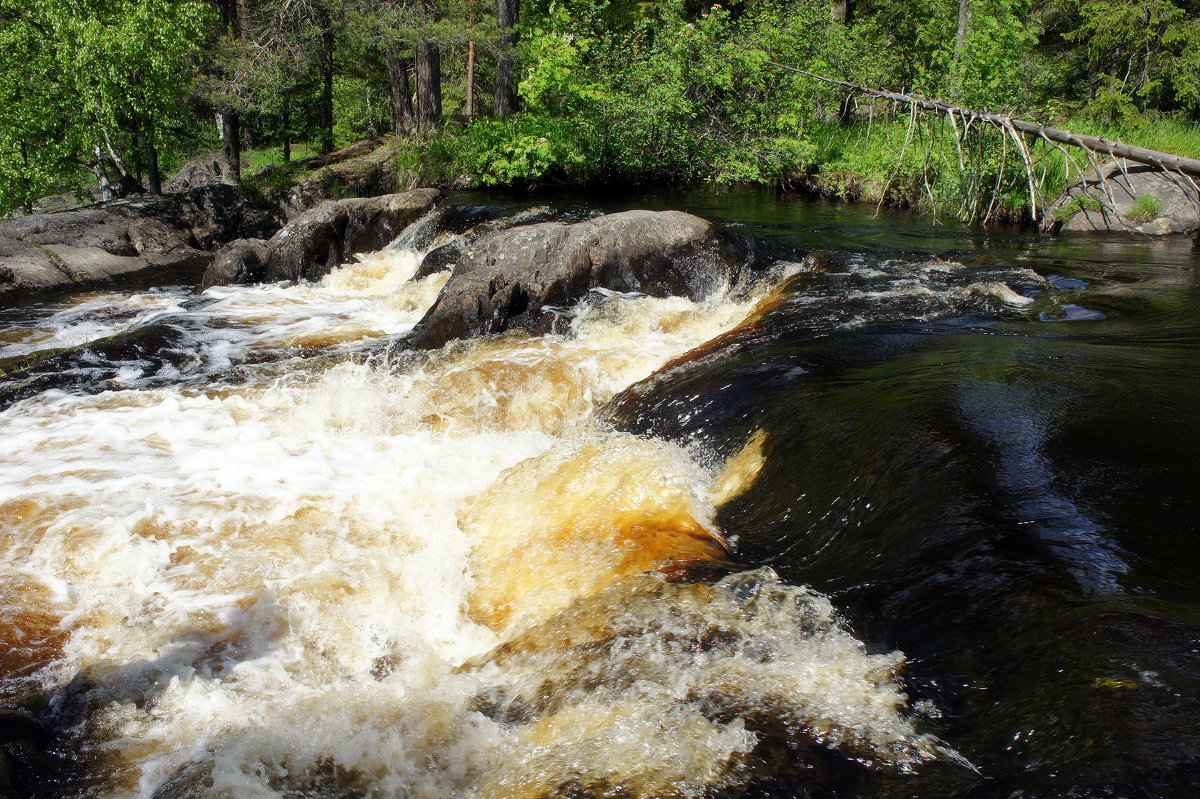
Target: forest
(109, 96)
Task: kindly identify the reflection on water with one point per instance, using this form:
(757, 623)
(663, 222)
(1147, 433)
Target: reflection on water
(676, 551)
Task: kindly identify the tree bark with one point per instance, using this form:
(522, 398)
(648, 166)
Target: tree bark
(153, 175)
(285, 120)
(507, 16)
(840, 11)
(1099, 144)
(429, 86)
(228, 121)
(230, 125)
(960, 44)
(402, 106)
(102, 182)
(326, 20)
(471, 79)
(429, 76)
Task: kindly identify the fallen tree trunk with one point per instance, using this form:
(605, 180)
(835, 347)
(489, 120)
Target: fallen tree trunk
(1098, 144)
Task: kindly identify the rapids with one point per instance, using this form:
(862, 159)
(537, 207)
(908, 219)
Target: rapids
(680, 550)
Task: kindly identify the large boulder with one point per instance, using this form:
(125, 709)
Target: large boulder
(318, 241)
(517, 278)
(1127, 197)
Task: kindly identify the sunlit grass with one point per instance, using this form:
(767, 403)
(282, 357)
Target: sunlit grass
(254, 161)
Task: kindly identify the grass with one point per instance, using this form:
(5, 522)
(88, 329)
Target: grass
(888, 160)
(256, 160)
(1075, 205)
(1145, 208)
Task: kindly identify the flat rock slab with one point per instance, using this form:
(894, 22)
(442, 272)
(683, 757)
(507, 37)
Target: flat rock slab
(93, 245)
(524, 277)
(1104, 206)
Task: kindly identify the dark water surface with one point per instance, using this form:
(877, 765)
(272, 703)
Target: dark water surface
(1006, 491)
(1012, 499)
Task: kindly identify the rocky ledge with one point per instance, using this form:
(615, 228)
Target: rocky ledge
(318, 240)
(526, 277)
(85, 246)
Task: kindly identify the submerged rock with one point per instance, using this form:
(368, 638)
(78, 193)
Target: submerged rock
(523, 277)
(319, 240)
(1127, 197)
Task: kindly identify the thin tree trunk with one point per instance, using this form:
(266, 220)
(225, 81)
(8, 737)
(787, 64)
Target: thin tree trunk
(153, 176)
(229, 121)
(230, 125)
(471, 79)
(429, 86)
(401, 96)
(960, 44)
(507, 16)
(326, 140)
(285, 114)
(102, 182)
(471, 66)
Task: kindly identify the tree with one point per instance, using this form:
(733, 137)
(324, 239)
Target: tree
(96, 89)
(507, 17)
(229, 121)
(429, 73)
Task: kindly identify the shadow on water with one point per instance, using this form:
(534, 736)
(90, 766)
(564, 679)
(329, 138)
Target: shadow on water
(1007, 495)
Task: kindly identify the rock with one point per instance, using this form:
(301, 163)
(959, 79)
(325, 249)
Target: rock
(1105, 206)
(86, 246)
(320, 240)
(240, 261)
(197, 172)
(516, 278)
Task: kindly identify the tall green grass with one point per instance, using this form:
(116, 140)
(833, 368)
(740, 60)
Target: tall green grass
(922, 163)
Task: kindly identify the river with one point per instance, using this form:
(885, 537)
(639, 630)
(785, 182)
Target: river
(933, 493)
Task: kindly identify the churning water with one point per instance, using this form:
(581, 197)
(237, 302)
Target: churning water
(251, 550)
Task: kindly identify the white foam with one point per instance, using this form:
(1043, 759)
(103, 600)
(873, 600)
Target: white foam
(269, 585)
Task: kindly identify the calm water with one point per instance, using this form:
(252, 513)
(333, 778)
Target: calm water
(251, 551)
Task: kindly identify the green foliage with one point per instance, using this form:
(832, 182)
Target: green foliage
(1145, 208)
(82, 77)
(1075, 205)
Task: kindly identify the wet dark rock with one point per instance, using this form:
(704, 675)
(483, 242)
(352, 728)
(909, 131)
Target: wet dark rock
(318, 241)
(1105, 201)
(240, 261)
(90, 367)
(22, 737)
(438, 259)
(516, 278)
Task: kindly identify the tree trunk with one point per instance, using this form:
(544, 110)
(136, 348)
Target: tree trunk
(470, 79)
(402, 107)
(153, 176)
(326, 139)
(229, 122)
(285, 119)
(960, 43)
(429, 86)
(840, 11)
(507, 16)
(102, 182)
(1099, 144)
(230, 125)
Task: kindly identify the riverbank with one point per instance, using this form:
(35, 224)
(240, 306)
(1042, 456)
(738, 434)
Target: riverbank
(926, 163)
